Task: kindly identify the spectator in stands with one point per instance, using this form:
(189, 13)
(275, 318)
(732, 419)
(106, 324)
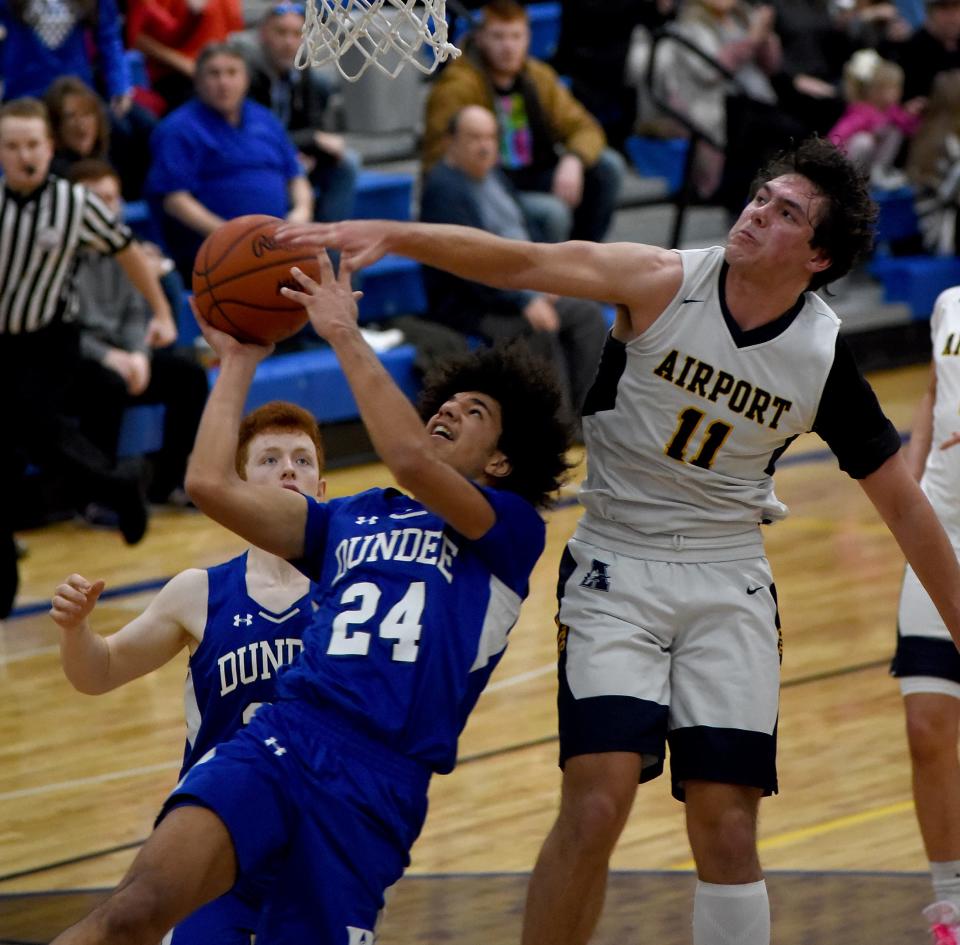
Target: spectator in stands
(38, 339)
(595, 37)
(932, 49)
(933, 166)
(222, 156)
(298, 97)
(82, 129)
(551, 147)
(817, 42)
(740, 38)
(49, 38)
(171, 33)
(875, 124)
(117, 366)
(466, 187)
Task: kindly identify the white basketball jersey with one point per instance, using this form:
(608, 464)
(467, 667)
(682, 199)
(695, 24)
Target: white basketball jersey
(941, 475)
(682, 436)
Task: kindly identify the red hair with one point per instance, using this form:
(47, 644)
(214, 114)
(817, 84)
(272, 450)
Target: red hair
(281, 416)
(506, 11)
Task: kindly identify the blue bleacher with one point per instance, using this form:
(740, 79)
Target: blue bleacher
(915, 280)
(544, 28)
(391, 286)
(383, 196)
(659, 157)
(897, 219)
(312, 379)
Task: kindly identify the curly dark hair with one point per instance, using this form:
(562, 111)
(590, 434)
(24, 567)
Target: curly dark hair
(535, 435)
(846, 229)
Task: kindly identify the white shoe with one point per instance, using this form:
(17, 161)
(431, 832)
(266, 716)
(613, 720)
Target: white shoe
(944, 919)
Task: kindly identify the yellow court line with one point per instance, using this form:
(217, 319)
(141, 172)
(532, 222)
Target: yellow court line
(818, 830)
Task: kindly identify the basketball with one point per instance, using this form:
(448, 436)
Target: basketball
(237, 276)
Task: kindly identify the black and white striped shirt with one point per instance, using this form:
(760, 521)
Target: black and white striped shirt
(40, 235)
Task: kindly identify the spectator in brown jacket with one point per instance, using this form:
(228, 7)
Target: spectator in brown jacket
(551, 148)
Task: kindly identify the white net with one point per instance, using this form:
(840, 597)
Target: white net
(388, 34)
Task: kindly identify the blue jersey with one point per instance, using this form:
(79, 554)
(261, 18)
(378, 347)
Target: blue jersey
(234, 669)
(413, 617)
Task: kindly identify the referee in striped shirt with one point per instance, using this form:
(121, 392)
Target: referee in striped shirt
(44, 221)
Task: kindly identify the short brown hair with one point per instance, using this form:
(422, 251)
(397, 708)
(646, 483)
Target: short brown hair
(212, 50)
(504, 10)
(55, 97)
(27, 107)
(277, 415)
(91, 169)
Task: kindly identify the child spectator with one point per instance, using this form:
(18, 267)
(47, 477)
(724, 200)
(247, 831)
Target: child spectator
(117, 366)
(872, 129)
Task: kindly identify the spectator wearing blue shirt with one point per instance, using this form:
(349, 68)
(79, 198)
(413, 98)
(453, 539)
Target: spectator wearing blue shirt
(49, 38)
(221, 156)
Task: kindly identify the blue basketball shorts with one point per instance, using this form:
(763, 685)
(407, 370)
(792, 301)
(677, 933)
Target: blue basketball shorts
(329, 814)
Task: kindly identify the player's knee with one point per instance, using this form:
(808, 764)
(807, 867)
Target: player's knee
(592, 820)
(725, 835)
(930, 736)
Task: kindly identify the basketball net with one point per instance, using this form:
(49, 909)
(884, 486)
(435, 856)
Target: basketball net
(387, 34)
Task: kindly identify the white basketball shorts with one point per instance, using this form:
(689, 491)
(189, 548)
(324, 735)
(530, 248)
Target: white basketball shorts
(682, 653)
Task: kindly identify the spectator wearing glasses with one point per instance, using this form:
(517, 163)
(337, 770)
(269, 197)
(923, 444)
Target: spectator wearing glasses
(299, 98)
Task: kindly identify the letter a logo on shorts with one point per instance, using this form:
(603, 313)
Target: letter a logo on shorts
(360, 936)
(597, 577)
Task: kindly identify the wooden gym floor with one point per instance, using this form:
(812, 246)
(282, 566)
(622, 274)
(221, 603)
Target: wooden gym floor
(81, 778)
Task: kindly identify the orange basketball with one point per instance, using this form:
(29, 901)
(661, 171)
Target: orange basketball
(237, 276)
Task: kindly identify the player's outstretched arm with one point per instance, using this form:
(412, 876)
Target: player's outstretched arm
(395, 429)
(644, 278)
(95, 664)
(901, 503)
(270, 518)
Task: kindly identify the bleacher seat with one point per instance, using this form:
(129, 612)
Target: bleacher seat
(391, 286)
(141, 430)
(544, 28)
(137, 215)
(383, 196)
(897, 219)
(915, 280)
(659, 157)
(313, 380)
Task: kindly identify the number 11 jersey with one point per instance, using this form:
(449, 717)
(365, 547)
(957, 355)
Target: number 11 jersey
(685, 423)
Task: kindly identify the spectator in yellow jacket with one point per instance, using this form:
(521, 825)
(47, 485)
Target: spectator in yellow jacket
(551, 148)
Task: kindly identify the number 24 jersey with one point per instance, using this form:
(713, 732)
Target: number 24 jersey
(413, 616)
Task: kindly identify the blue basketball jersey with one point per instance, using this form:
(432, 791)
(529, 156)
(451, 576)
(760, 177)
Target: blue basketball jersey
(413, 617)
(235, 667)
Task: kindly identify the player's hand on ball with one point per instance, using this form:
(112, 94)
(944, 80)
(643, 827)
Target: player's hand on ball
(361, 242)
(226, 346)
(74, 600)
(331, 303)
